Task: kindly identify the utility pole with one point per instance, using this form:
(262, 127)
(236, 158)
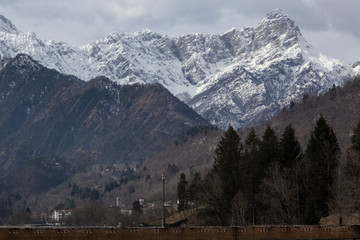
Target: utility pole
(163, 177)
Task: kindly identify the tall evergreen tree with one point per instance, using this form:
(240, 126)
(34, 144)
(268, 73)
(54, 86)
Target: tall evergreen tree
(269, 150)
(291, 156)
(226, 166)
(322, 158)
(195, 189)
(290, 147)
(252, 170)
(226, 161)
(183, 193)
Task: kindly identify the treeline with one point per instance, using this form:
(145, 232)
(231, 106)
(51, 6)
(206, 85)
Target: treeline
(273, 181)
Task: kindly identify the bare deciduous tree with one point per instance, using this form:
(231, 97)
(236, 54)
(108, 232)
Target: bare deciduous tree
(280, 194)
(240, 207)
(213, 196)
(347, 190)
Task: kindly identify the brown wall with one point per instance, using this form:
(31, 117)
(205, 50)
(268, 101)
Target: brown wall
(196, 233)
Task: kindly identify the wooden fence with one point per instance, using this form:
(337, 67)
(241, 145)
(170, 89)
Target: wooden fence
(189, 233)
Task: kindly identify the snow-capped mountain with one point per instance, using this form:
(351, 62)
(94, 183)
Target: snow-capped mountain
(240, 77)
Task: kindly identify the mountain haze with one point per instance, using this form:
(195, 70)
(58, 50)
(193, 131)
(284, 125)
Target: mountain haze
(240, 77)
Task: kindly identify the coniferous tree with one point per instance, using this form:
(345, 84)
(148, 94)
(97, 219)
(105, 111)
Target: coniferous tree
(195, 189)
(269, 150)
(291, 159)
(281, 187)
(226, 161)
(290, 147)
(226, 166)
(252, 170)
(227, 157)
(321, 159)
(183, 193)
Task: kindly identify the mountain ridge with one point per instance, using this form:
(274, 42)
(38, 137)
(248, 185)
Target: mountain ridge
(46, 113)
(264, 67)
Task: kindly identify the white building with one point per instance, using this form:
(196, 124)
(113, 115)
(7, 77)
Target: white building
(59, 215)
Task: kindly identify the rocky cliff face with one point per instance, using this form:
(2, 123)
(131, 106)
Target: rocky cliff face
(240, 77)
(272, 65)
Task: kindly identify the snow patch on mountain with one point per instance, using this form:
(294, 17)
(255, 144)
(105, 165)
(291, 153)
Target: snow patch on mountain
(356, 67)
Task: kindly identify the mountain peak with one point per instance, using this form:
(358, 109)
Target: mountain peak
(7, 26)
(23, 64)
(280, 21)
(276, 14)
(278, 29)
(147, 35)
(24, 59)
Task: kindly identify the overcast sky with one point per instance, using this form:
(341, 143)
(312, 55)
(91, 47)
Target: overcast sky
(332, 26)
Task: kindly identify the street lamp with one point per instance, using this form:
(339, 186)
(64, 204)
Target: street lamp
(163, 177)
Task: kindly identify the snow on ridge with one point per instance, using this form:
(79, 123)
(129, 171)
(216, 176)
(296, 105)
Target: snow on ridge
(238, 77)
(356, 67)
